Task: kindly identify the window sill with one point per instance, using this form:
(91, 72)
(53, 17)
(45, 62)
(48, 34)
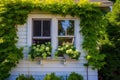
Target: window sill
(61, 60)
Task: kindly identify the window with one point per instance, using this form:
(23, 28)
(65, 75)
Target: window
(65, 31)
(41, 31)
(56, 29)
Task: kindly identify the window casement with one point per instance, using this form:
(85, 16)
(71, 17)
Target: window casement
(54, 29)
(65, 31)
(41, 31)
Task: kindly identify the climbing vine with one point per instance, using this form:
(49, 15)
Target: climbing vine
(14, 12)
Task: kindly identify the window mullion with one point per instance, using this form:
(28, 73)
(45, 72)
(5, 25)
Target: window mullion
(41, 28)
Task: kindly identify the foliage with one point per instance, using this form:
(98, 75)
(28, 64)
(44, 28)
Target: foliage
(1, 40)
(40, 50)
(113, 0)
(23, 77)
(51, 76)
(93, 30)
(114, 15)
(75, 76)
(111, 70)
(14, 12)
(69, 49)
(72, 76)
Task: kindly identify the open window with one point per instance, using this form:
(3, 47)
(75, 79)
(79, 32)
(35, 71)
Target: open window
(65, 31)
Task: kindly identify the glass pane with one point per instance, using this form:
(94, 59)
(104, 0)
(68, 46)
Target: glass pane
(62, 40)
(36, 28)
(65, 27)
(46, 28)
(41, 41)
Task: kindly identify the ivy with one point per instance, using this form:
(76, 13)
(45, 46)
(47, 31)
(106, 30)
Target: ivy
(14, 12)
(92, 27)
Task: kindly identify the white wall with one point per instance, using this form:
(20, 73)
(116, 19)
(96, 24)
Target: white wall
(34, 68)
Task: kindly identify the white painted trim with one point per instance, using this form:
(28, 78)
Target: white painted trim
(54, 28)
(77, 34)
(29, 29)
(41, 37)
(54, 35)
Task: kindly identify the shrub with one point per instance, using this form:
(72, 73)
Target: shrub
(51, 76)
(69, 49)
(23, 77)
(75, 76)
(40, 50)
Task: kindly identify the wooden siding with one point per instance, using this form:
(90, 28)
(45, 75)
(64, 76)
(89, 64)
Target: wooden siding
(28, 67)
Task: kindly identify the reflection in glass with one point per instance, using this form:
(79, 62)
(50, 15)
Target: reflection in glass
(65, 27)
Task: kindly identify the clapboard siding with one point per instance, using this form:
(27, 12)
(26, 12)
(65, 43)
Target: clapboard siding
(21, 35)
(38, 70)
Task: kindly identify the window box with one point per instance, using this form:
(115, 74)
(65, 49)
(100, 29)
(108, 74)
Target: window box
(68, 51)
(41, 51)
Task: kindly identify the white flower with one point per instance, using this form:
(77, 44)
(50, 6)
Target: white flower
(34, 47)
(37, 49)
(38, 46)
(67, 46)
(70, 50)
(47, 48)
(88, 57)
(1, 40)
(67, 51)
(61, 49)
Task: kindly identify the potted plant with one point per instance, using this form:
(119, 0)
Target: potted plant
(40, 50)
(68, 51)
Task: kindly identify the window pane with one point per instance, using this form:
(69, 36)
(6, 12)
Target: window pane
(65, 27)
(62, 40)
(46, 28)
(41, 41)
(36, 28)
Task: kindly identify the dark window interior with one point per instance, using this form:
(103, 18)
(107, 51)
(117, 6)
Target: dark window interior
(36, 28)
(41, 41)
(46, 28)
(41, 30)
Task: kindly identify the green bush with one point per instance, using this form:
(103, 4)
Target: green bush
(69, 49)
(51, 76)
(40, 50)
(75, 76)
(111, 70)
(23, 77)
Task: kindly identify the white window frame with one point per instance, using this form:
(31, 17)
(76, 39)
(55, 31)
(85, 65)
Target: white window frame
(41, 37)
(54, 29)
(66, 36)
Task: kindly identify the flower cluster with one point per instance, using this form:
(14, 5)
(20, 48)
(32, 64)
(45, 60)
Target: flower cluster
(69, 49)
(1, 40)
(40, 50)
